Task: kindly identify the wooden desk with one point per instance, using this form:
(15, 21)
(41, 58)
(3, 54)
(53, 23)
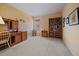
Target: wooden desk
(17, 37)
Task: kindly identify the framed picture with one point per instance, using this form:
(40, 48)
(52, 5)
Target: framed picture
(63, 21)
(74, 17)
(67, 20)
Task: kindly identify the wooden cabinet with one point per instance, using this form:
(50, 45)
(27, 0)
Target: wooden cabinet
(14, 25)
(55, 27)
(51, 27)
(24, 36)
(18, 38)
(44, 33)
(15, 38)
(11, 24)
(7, 22)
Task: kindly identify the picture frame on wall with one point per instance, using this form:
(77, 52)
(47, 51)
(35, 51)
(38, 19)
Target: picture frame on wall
(63, 21)
(74, 17)
(67, 20)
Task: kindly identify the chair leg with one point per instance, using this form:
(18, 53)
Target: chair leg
(8, 44)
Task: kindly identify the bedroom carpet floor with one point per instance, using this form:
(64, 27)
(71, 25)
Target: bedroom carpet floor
(38, 46)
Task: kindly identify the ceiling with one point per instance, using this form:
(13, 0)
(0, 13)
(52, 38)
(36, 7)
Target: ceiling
(39, 9)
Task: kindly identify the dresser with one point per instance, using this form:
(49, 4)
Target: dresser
(44, 33)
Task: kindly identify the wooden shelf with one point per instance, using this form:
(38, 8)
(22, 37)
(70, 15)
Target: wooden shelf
(55, 27)
(16, 37)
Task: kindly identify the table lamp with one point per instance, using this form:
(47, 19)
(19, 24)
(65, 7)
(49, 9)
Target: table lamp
(1, 21)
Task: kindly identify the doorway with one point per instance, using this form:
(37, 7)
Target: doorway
(36, 27)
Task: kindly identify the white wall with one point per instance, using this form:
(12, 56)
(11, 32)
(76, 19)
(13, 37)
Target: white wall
(26, 26)
(71, 33)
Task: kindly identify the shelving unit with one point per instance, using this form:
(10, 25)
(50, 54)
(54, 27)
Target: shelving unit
(55, 27)
(16, 36)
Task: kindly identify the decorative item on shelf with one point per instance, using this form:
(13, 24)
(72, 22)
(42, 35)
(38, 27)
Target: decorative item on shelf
(16, 18)
(67, 20)
(22, 20)
(1, 21)
(74, 17)
(63, 21)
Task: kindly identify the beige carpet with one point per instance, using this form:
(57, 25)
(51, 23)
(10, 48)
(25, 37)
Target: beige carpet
(38, 46)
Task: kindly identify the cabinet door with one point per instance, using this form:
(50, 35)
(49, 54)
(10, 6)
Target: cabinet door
(55, 27)
(24, 36)
(15, 25)
(58, 27)
(7, 22)
(44, 33)
(18, 38)
(51, 27)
